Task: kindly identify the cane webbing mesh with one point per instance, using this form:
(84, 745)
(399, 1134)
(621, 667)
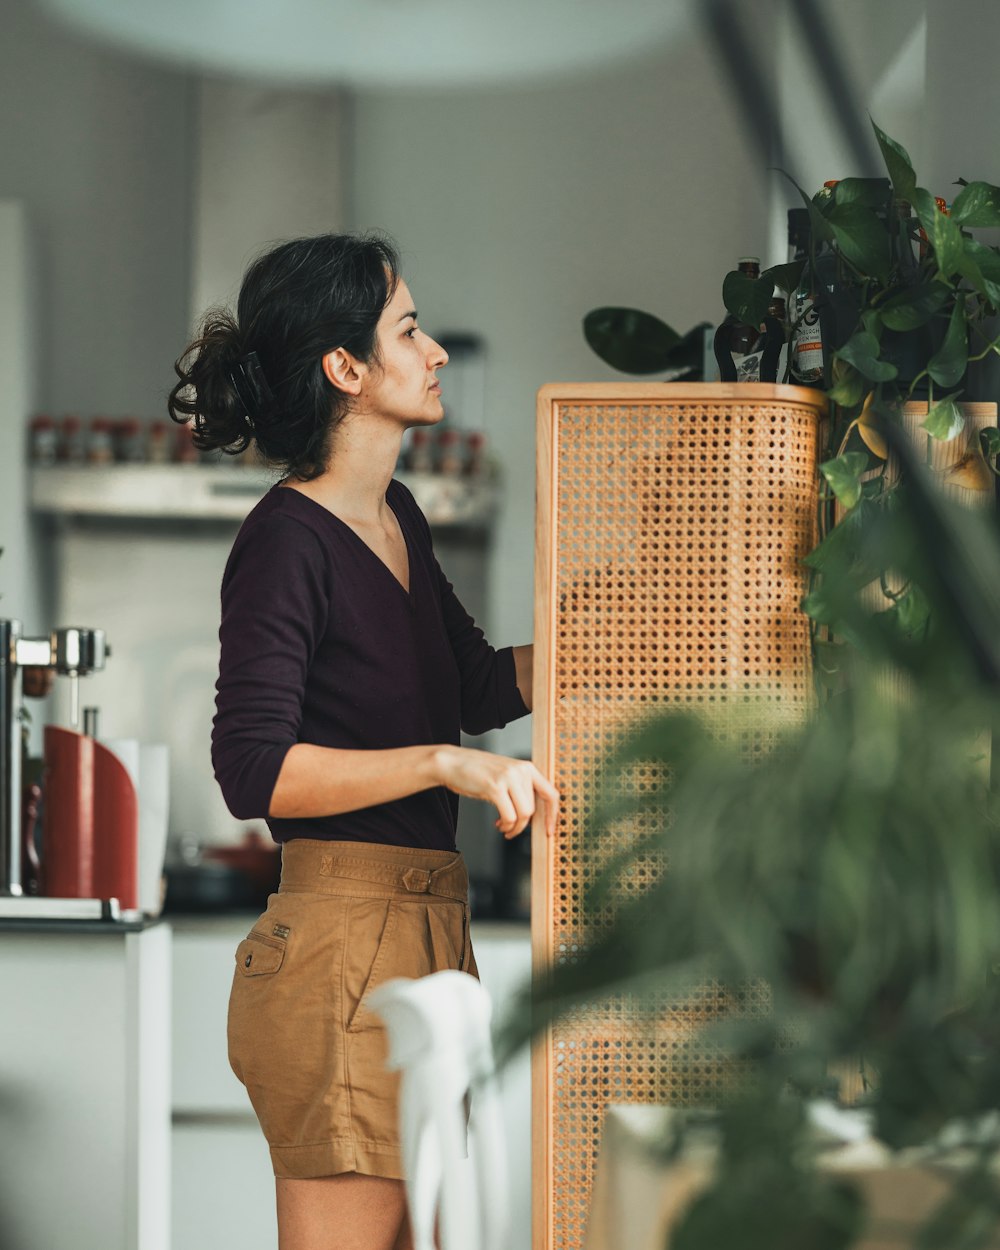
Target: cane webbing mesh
(671, 531)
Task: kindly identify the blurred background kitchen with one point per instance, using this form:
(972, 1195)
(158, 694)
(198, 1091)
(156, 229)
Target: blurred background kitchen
(531, 166)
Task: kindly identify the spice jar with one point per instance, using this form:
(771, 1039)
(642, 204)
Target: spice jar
(129, 442)
(42, 440)
(101, 441)
(72, 441)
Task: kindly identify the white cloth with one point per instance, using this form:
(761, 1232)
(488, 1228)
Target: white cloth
(439, 1037)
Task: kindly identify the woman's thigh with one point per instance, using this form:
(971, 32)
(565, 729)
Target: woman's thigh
(344, 1212)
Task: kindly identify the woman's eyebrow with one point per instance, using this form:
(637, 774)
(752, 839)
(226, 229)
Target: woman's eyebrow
(412, 314)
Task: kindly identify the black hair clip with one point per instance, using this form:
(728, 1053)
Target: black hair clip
(251, 385)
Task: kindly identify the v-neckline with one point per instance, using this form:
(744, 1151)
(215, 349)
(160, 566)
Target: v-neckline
(408, 592)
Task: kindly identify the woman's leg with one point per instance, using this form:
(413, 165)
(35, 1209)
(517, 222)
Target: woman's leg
(404, 1238)
(345, 1212)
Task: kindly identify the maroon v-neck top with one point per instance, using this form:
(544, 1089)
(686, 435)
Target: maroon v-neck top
(321, 644)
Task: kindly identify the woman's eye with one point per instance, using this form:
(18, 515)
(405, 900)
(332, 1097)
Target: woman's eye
(411, 332)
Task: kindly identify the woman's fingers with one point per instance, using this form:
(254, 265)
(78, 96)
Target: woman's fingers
(531, 786)
(512, 786)
(550, 798)
(506, 811)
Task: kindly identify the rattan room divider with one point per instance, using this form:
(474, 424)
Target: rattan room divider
(671, 522)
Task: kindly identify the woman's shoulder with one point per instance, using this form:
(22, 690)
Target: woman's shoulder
(282, 518)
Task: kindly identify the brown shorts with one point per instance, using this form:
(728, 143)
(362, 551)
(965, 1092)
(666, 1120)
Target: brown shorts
(348, 916)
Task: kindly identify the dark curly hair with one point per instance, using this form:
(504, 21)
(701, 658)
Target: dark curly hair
(258, 377)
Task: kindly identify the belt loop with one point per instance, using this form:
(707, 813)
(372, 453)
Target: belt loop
(417, 880)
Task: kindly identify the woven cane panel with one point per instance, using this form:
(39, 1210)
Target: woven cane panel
(677, 531)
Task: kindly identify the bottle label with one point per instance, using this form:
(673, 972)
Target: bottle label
(748, 366)
(807, 343)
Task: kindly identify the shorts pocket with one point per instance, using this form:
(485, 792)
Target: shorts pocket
(365, 969)
(259, 955)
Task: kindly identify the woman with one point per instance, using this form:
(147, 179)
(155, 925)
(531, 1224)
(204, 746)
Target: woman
(347, 669)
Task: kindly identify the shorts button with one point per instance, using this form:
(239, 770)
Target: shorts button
(246, 962)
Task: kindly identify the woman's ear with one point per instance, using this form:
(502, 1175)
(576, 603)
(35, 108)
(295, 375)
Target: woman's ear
(343, 371)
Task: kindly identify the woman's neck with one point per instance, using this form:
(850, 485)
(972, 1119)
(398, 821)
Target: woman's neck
(362, 461)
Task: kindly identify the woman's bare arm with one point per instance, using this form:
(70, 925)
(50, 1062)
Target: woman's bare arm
(326, 781)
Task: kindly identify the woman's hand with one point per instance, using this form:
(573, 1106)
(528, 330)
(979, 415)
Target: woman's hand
(514, 787)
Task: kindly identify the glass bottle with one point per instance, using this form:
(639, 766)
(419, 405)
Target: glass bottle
(806, 358)
(745, 340)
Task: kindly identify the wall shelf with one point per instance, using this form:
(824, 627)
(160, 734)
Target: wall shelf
(225, 492)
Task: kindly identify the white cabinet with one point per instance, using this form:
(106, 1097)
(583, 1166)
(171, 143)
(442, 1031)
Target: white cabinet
(84, 1095)
(223, 1188)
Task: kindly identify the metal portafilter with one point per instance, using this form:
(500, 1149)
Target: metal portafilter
(72, 653)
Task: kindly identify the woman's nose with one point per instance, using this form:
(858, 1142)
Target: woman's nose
(438, 357)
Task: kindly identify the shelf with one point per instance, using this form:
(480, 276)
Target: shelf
(226, 493)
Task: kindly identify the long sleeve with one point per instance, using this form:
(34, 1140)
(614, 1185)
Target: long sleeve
(490, 697)
(275, 604)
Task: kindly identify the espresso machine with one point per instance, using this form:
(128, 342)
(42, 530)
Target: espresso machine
(71, 653)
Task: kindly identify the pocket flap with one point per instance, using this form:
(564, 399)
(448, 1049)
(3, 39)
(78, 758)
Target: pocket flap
(256, 957)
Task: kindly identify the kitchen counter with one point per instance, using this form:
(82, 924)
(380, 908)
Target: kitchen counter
(106, 928)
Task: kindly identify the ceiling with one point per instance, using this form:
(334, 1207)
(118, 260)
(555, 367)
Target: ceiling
(384, 43)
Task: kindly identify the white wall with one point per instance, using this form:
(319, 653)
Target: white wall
(95, 151)
(519, 210)
(269, 164)
(20, 589)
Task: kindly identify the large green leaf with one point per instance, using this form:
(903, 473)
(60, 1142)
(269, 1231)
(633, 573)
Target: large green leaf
(862, 238)
(822, 232)
(861, 351)
(870, 192)
(977, 204)
(747, 298)
(785, 277)
(981, 266)
(630, 340)
(844, 476)
(848, 387)
(898, 163)
(989, 440)
(942, 232)
(914, 307)
(945, 421)
(949, 362)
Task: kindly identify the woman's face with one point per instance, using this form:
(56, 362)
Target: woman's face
(405, 386)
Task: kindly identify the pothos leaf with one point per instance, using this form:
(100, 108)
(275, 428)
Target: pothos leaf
(871, 435)
(981, 265)
(950, 361)
(898, 163)
(943, 233)
(848, 385)
(862, 238)
(989, 440)
(914, 307)
(912, 610)
(971, 472)
(861, 351)
(945, 420)
(844, 476)
(977, 204)
(747, 298)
